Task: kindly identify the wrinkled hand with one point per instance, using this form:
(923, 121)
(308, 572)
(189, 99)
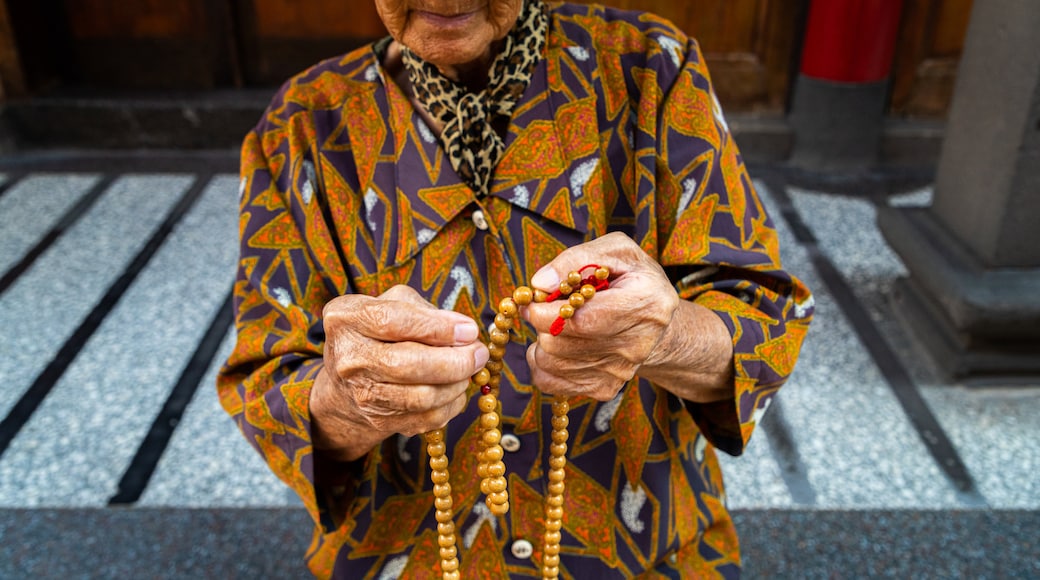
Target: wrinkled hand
(611, 336)
(393, 364)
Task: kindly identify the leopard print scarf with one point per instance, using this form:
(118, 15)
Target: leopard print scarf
(469, 138)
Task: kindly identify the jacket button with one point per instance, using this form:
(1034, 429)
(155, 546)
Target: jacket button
(510, 442)
(479, 220)
(522, 549)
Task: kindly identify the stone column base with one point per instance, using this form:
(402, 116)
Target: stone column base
(981, 325)
(837, 126)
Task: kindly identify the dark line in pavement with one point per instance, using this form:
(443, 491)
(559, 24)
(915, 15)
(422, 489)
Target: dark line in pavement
(136, 477)
(67, 221)
(898, 378)
(792, 469)
(33, 397)
(12, 179)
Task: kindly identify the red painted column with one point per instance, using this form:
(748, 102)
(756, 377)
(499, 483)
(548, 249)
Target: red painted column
(837, 114)
(851, 41)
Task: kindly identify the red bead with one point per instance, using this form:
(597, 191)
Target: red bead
(485, 390)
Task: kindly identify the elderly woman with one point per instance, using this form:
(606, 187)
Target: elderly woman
(392, 197)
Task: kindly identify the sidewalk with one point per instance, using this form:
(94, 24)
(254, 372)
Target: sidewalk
(116, 460)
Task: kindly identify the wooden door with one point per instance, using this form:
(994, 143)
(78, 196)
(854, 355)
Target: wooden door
(749, 44)
(931, 39)
(159, 44)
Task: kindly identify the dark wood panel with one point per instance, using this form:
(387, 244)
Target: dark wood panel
(152, 44)
(931, 39)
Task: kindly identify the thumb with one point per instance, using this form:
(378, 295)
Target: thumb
(612, 251)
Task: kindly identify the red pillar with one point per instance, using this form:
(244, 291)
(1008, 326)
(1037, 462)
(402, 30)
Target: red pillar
(840, 97)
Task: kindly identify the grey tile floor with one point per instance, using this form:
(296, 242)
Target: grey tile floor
(838, 437)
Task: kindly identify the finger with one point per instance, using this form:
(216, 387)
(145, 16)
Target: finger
(409, 363)
(401, 320)
(435, 418)
(614, 250)
(391, 401)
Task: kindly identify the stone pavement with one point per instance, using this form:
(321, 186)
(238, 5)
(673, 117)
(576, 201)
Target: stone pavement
(116, 460)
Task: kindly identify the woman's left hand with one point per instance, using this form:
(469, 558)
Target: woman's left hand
(603, 346)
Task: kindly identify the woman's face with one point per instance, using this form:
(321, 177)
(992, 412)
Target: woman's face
(449, 34)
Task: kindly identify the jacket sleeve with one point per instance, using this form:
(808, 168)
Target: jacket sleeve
(717, 242)
(285, 277)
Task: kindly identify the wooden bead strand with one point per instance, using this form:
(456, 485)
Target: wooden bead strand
(490, 467)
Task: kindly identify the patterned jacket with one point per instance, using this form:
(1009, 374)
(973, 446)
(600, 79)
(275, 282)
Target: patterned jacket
(345, 190)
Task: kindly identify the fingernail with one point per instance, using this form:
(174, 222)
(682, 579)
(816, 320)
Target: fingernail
(546, 279)
(466, 332)
(480, 357)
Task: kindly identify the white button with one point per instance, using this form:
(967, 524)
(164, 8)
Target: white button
(479, 220)
(522, 549)
(510, 442)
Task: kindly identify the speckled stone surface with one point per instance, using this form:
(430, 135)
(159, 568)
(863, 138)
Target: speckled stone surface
(208, 462)
(30, 208)
(46, 304)
(878, 505)
(78, 443)
(270, 542)
(994, 429)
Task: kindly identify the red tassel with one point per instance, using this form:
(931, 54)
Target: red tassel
(557, 326)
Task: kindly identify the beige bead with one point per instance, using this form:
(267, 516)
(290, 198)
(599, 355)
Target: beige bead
(439, 463)
(496, 469)
(498, 509)
(446, 529)
(496, 484)
(560, 421)
(498, 498)
(482, 377)
(557, 462)
(561, 407)
(439, 476)
(556, 475)
(485, 486)
(553, 525)
(554, 514)
(435, 436)
(442, 490)
(492, 437)
(552, 549)
(494, 367)
(489, 420)
(443, 516)
(550, 572)
(494, 453)
(487, 403)
(554, 500)
(450, 565)
(499, 337)
(555, 487)
(453, 575)
(449, 552)
(523, 295)
(436, 449)
(551, 560)
(496, 351)
(540, 296)
(558, 448)
(482, 470)
(446, 540)
(559, 436)
(443, 503)
(566, 312)
(573, 278)
(588, 291)
(565, 288)
(503, 322)
(552, 538)
(508, 307)
(576, 300)
(602, 273)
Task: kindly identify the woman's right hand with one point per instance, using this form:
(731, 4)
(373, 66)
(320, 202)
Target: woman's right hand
(393, 364)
